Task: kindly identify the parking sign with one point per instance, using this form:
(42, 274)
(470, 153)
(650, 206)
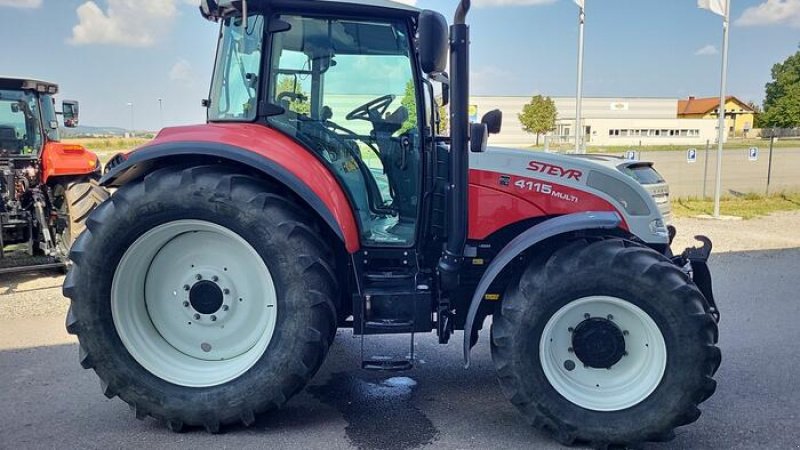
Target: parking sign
(753, 154)
(691, 155)
(630, 155)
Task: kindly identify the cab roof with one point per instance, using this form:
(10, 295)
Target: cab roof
(28, 84)
(379, 7)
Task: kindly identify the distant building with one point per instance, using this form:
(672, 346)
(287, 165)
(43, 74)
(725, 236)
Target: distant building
(739, 116)
(607, 121)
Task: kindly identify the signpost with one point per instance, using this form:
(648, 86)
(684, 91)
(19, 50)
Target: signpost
(752, 154)
(630, 155)
(691, 155)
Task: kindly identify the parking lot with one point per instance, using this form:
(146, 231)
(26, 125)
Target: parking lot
(48, 401)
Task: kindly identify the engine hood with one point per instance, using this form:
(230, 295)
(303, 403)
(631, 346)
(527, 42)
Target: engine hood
(560, 184)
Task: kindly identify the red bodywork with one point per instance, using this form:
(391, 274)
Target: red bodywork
(497, 200)
(60, 159)
(493, 203)
(285, 152)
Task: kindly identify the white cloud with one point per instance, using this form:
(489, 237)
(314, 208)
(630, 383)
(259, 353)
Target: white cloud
(706, 50)
(489, 3)
(772, 12)
(21, 3)
(181, 71)
(134, 23)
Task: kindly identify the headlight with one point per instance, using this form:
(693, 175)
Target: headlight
(658, 227)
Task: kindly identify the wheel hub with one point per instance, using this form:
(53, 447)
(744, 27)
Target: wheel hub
(206, 297)
(598, 343)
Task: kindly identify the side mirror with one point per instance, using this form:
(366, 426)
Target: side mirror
(70, 112)
(478, 137)
(15, 108)
(493, 120)
(209, 9)
(433, 41)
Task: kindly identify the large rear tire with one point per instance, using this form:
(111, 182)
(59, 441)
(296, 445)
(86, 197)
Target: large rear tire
(201, 297)
(77, 199)
(605, 342)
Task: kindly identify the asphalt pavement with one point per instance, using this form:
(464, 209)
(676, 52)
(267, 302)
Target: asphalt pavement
(48, 401)
(739, 173)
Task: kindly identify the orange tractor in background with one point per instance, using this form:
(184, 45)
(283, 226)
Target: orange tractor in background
(47, 188)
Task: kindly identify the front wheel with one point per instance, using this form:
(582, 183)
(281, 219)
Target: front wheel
(201, 296)
(605, 342)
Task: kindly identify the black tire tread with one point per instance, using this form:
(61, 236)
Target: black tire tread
(604, 255)
(223, 185)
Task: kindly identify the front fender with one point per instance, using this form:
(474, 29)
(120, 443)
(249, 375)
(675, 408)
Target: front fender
(563, 224)
(308, 179)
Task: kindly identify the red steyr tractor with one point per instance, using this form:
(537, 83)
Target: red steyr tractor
(47, 188)
(320, 195)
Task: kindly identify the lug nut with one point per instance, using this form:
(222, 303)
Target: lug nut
(215, 278)
(186, 287)
(570, 329)
(571, 350)
(213, 318)
(610, 317)
(625, 332)
(185, 304)
(226, 291)
(197, 317)
(198, 277)
(225, 307)
(585, 316)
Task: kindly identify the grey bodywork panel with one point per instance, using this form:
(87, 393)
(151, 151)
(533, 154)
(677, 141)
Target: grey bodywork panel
(553, 227)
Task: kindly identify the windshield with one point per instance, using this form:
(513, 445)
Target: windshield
(20, 129)
(347, 91)
(234, 88)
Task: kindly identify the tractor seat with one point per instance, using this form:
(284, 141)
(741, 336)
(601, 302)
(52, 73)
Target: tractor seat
(9, 140)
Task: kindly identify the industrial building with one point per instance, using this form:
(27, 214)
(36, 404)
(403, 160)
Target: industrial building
(607, 121)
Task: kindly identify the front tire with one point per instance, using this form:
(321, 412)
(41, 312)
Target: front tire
(605, 342)
(201, 297)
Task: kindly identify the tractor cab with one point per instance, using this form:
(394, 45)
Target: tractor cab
(28, 117)
(347, 86)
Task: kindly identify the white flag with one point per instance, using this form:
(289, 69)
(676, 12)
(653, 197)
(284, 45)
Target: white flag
(581, 3)
(715, 6)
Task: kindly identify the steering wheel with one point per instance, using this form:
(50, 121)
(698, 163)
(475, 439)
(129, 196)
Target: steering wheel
(372, 111)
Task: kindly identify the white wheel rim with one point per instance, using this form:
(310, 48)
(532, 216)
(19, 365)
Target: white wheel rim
(629, 381)
(170, 330)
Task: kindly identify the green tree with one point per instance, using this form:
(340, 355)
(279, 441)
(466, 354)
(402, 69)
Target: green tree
(782, 102)
(538, 116)
(289, 84)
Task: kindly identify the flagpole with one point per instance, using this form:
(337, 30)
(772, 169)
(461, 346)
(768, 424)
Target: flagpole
(579, 93)
(721, 111)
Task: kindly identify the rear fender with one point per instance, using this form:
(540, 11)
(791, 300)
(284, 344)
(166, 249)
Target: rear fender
(60, 160)
(315, 185)
(551, 228)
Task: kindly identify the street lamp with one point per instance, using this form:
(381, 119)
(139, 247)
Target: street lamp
(133, 133)
(160, 112)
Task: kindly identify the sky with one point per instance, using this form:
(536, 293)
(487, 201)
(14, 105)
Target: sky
(119, 57)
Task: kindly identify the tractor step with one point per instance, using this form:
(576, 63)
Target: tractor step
(387, 365)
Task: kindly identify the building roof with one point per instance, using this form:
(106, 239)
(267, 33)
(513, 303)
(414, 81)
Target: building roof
(706, 105)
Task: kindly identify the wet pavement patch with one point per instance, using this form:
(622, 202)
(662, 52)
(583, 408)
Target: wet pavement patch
(380, 412)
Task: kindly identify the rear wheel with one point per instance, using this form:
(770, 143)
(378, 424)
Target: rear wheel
(75, 200)
(201, 297)
(605, 342)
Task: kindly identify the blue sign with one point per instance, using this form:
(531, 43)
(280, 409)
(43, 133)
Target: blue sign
(691, 155)
(753, 154)
(630, 155)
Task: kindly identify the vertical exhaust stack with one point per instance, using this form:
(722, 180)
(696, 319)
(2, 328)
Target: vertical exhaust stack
(453, 255)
